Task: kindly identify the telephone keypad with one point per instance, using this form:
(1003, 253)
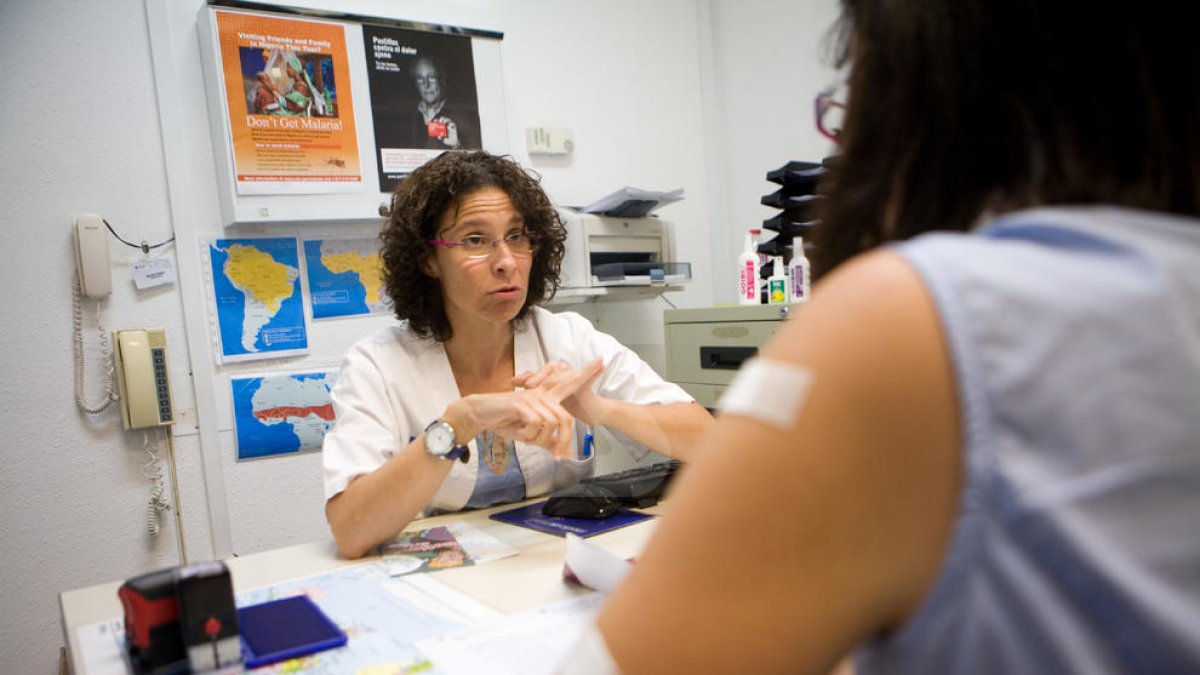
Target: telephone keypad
(159, 358)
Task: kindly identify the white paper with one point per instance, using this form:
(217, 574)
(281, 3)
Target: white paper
(153, 272)
(625, 194)
(428, 594)
(481, 546)
(100, 646)
(533, 642)
(593, 566)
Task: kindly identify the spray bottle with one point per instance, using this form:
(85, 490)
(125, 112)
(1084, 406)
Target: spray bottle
(777, 284)
(748, 273)
(798, 272)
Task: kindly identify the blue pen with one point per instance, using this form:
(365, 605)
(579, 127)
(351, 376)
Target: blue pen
(587, 445)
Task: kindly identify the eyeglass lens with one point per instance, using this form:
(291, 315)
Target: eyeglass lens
(517, 243)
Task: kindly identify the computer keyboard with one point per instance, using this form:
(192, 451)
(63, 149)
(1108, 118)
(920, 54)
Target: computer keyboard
(640, 486)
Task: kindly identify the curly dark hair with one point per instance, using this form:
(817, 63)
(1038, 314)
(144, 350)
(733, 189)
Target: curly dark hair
(418, 204)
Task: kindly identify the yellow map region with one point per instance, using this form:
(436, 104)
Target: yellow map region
(368, 269)
(268, 281)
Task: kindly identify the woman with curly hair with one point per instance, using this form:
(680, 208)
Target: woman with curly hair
(475, 371)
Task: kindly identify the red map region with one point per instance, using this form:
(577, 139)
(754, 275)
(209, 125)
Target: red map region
(325, 412)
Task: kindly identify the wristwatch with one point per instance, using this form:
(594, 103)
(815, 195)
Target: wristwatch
(439, 442)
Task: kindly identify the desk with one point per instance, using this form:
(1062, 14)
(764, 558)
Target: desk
(531, 578)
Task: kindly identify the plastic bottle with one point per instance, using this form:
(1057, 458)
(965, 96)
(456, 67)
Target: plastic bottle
(748, 273)
(798, 272)
(756, 237)
(777, 284)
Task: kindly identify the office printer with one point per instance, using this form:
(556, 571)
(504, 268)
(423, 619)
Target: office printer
(606, 251)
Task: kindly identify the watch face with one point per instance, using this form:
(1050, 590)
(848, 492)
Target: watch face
(439, 439)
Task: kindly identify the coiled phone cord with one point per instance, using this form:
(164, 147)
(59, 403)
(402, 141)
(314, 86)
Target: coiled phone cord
(110, 393)
(153, 470)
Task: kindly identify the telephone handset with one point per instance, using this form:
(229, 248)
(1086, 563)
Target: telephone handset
(91, 256)
(140, 357)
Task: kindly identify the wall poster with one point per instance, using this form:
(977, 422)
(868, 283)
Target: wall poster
(280, 413)
(344, 277)
(258, 305)
(424, 99)
(291, 116)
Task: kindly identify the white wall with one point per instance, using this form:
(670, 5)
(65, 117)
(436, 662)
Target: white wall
(79, 133)
(648, 87)
(767, 68)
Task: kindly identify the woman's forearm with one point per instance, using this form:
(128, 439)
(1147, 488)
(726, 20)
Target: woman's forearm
(378, 505)
(672, 429)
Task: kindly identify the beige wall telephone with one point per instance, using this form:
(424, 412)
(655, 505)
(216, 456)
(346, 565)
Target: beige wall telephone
(140, 357)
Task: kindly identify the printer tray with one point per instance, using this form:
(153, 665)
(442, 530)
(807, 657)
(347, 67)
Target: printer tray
(641, 273)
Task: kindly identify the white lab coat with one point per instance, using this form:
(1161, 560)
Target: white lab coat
(393, 384)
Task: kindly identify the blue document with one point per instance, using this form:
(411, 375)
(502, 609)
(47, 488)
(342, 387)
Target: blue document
(531, 516)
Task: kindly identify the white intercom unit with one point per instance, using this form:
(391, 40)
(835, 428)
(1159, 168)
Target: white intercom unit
(140, 358)
(543, 141)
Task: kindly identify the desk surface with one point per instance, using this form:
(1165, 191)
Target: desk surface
(510, 585)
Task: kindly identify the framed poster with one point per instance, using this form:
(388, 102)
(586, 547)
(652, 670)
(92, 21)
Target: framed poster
(289, 102)
(305, 106)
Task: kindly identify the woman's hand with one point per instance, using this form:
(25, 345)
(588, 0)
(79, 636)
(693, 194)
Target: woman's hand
(535, 415)
(582, 402)
(532, 417)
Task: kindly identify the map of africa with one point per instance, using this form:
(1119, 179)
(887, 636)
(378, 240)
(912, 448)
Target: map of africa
(259, 306)
(284, 413)
(345, 277)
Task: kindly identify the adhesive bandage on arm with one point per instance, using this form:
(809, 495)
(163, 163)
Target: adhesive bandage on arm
(772, 392)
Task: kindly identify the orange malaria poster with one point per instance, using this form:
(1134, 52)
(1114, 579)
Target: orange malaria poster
(291, 117)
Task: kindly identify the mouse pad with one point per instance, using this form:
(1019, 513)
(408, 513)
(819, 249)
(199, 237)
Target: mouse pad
(531, 516)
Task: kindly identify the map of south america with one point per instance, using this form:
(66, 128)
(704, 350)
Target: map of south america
(256, 290)
(266, 284)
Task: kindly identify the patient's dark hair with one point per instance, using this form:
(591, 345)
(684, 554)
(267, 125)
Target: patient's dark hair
(418, 205)
(961, 108)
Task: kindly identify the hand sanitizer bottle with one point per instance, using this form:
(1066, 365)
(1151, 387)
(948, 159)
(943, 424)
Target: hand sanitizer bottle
(777, 285)
(798, 272)
(748, 273)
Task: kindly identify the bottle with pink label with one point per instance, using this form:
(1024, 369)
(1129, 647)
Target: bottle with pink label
(748, 273)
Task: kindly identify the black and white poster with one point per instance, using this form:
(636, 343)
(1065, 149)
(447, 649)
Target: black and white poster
(423, 97)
